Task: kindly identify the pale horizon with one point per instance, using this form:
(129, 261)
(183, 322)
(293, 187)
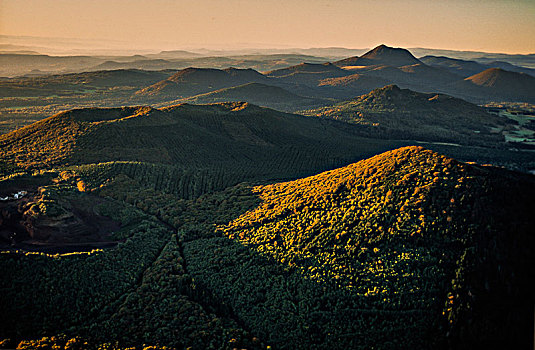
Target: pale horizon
(120, 45)
(493, 26)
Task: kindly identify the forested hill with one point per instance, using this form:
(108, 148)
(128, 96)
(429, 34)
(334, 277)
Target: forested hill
(232, 137)
(411, 244)
(440, 251)
(405, 114)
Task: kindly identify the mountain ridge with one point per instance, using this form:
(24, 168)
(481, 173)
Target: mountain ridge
(403, 113)
(258, 94)
(381, 55)
(222, 136)
(500, 82)
(466, 68)
(191, 81)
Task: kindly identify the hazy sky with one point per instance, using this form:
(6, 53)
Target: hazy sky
(478, 25)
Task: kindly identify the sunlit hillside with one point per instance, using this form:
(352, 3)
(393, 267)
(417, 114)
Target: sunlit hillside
(433, 252)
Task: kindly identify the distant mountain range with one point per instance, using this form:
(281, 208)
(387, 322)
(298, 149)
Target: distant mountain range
(44, 62)
(309, 78)
(288, 82)
(20, 64)
(468, 68)
(357, 75)
(526, 60)
(66, 84)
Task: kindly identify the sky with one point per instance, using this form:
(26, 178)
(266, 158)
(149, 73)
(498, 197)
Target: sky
(506, 26)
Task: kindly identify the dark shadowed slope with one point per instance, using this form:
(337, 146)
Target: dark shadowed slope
(402, 113)
(419, 76)
(258, 94)
(229, 136)
(501, 79)
(192, 81)
(352, 85)
(460, 67)
(499, 83)
(468, 68)
(69, 84)
(307, 73)
(312, 68)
